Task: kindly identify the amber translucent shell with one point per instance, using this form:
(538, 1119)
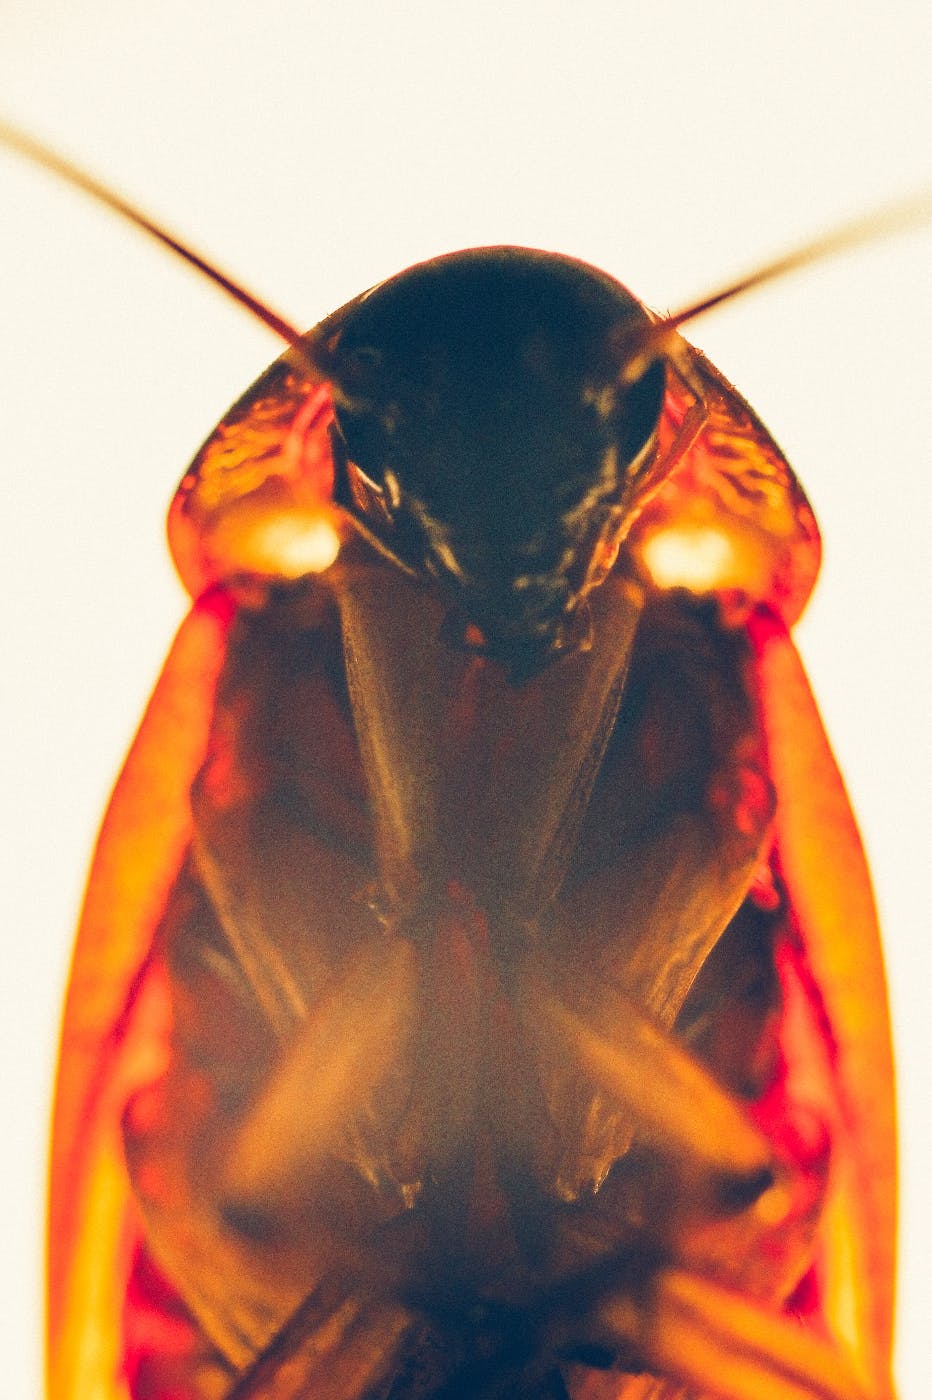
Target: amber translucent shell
(730, 524)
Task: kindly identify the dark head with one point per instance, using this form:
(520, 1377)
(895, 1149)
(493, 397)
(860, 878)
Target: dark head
(482, 396)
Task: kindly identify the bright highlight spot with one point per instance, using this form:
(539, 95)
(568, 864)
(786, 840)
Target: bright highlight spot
(696, 557)
(293, 544)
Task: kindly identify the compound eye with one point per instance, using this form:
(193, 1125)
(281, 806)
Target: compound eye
(638, 410)
(363, 417)
(367, 439)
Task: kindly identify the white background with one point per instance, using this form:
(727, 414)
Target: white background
(315, 148)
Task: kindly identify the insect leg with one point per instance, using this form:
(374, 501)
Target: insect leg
(716, 1340)
(670, 1098)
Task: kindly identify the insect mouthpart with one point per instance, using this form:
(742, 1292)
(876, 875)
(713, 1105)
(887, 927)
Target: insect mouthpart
(517, 601)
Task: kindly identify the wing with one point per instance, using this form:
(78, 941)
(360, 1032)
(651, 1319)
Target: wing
(258, 478)
(826, 874)
(115, 1017)
(732, 520)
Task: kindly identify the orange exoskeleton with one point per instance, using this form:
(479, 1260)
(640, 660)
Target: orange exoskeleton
(479, 990)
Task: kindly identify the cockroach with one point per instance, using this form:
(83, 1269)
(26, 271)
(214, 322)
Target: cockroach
(478, 989)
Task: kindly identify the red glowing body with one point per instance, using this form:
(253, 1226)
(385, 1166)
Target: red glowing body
(479, 986)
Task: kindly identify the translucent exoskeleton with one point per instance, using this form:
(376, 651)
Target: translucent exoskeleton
(479, 990)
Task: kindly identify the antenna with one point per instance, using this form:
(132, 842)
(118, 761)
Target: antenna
(39, 154)
(649, 342)
(646, 344)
